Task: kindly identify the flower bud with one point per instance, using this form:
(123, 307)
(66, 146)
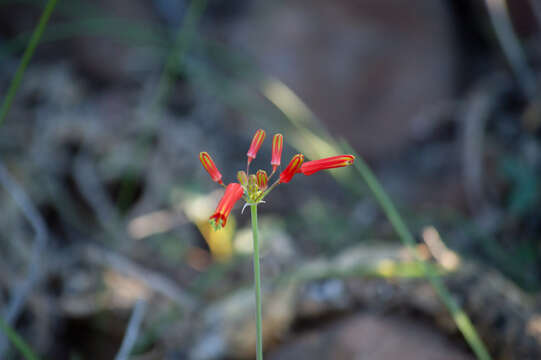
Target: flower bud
(257, 140)
(209, 165)
(252, 185)
(277, 145)
(262, 179)
(242, 178)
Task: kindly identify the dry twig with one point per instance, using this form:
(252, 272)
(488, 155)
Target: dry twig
(476, 112)
(153, 280)
(132, 331)
(89, 184)
(90, 187)
(510, 44)
(21, 292)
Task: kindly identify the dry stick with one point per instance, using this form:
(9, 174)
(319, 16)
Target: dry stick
(29, 211)
(510, 44)
(132, 331)
(475, 114)
(88, 183)
(21, 292)
(154, 280)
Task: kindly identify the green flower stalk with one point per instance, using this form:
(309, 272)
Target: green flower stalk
(253, 189)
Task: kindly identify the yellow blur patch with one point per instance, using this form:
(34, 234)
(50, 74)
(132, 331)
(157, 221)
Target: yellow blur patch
(386, 268)
(219, 241)
(198, 209)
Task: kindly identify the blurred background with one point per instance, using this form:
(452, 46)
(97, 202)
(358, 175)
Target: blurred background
(104, 204)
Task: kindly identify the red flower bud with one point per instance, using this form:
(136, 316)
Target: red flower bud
(277, 145)
(257, 140)
(233, 193)
(310, 167)
(262, 179)
(292, 168)
(208, 164)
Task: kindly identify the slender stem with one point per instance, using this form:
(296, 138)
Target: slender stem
(461, 319)
(272, 173)
(257, 283)
(17, 341)
(34, 40)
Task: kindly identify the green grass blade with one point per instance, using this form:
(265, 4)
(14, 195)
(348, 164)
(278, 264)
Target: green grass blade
(121, 30)
(17, 341)
(34, 40)
(301, 117)
(461, 319)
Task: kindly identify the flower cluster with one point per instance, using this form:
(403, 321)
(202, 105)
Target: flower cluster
(254, 187)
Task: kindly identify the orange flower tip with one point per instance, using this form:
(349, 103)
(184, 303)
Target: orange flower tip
(233, 193)
(277, 146)
(211, 168)
(311, 167)
(292, 168)
(257, 140)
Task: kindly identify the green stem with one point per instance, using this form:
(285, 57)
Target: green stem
(17, 341)
(34, 40)
(257, 283)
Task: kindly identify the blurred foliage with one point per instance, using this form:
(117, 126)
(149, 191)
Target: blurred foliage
(524, 186)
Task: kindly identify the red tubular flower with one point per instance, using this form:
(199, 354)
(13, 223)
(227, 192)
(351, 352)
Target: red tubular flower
(209, 165)
(257, 140)
(233, 193)
(277, 145)
(292, 168)
(262, 179)
(310, 167)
